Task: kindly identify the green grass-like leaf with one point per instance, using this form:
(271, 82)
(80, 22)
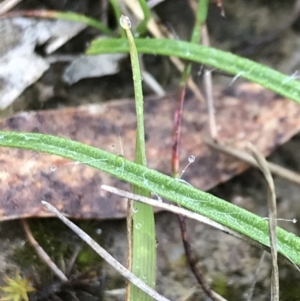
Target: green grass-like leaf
(201, 16)
(117, 13)
(225, 61)
(142, 27)
(68, 16)
(227, 214)
(143, 230)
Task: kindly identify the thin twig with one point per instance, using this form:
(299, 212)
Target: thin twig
(181, 212)
(152, 83)
(244, 156)
(201, 14)
(106, 256)
(41, 252)
(260, 159)
(175, 171)
(172, 208)
(71, 262)
(251, 290)
(192, 215)
(177, 131)
(193, 262)
(7, 5)
(209, 90)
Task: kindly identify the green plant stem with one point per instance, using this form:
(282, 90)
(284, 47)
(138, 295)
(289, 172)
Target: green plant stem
(196, 34)
(68, 16)
(117, 12)
(227, 214)
(143, 230)
(142, 27)
(225, 61)
(201, 16)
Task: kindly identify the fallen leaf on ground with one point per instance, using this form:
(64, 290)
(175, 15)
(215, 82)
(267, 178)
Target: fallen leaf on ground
(245, 112)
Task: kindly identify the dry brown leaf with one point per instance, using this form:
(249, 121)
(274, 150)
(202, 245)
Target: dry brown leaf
(243, 112)
(20, 66)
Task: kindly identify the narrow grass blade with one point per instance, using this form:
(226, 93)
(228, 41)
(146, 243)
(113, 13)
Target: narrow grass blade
(272, 206)
(143, 230)
(225, 61)
(68, 16)
(227, 214)
(117, 12)
(142, 27)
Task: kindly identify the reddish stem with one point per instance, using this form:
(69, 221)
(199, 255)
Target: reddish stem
(177, 132)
